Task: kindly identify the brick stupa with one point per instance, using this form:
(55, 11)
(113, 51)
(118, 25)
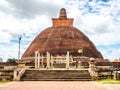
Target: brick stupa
(60, 38)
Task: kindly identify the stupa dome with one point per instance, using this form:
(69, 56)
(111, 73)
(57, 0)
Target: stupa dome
(62, 37)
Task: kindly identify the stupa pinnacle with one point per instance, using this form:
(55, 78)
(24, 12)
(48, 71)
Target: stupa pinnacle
(63, 14)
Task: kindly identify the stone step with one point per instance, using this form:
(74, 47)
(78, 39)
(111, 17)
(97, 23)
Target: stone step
(56, 79)
(59, 76)
(56, 75)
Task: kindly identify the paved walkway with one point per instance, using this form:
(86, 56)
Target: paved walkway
(58, 85)
(113, 86)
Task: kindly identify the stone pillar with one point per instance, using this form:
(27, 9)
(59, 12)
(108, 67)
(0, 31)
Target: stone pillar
(42, 61)
(38, 64)
(36, 59)
(79, 64)
(51, 61)
(67, 60)
(15, 75)
(48, 60)
(115, 75)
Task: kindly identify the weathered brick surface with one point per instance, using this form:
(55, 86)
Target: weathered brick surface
(60, 38)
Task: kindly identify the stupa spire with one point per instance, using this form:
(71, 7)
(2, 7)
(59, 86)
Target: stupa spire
(63, 14)
(62, 20)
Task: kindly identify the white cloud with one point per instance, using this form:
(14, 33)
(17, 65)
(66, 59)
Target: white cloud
(110, 53)
(8, 51)
(12, 26)
(5, 37)
(3, 3)
(31, 8)
(100, 21)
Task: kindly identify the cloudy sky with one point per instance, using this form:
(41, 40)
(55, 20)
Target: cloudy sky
(98, 19)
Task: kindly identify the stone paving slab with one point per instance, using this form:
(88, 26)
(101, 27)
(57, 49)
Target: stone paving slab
(58, 85)
(113, 86)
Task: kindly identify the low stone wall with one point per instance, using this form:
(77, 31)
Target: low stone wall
(6, 70)
(114, 64)
(98, 69)
(9, 67)
(6, 75)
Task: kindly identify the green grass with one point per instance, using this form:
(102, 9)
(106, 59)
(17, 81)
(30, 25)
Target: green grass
(109, 81)
(4, 82)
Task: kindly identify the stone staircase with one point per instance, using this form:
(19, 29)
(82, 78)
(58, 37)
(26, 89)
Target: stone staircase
(56, 75)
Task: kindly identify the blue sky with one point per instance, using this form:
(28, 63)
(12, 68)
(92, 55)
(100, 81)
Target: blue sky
(98, 19)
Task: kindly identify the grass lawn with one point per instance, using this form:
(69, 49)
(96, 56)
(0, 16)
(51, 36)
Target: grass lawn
(4, 82)
(109, 81)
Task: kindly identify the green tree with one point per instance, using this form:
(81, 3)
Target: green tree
(11, 60)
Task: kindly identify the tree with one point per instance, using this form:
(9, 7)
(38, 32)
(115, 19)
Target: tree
(11, 60)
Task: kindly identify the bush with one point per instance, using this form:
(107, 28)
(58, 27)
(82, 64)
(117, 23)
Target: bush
(13, 60)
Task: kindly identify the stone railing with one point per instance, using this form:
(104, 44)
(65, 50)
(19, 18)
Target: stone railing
(116, 75)
(93, 70)
(18, 73)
